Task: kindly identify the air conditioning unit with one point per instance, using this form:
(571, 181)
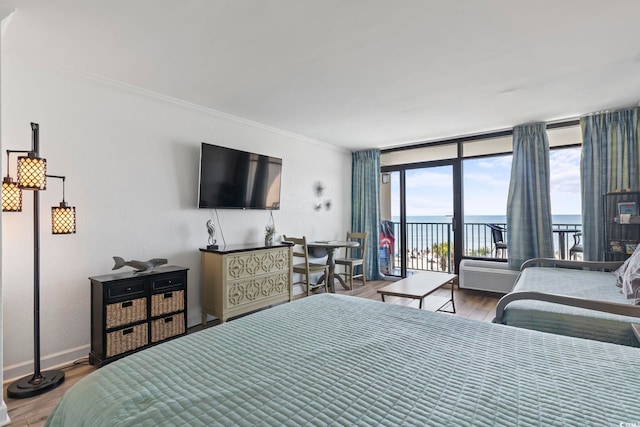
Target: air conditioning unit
(492, 276)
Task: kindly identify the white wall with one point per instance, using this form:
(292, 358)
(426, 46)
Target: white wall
(131, 161)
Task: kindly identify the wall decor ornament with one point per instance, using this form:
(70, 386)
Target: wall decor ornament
(319, 190)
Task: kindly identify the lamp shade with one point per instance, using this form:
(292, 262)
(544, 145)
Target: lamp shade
(32, 173)
(63, 219)
(11, 196)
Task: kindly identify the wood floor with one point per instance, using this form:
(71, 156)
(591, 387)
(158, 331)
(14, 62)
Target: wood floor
(469, 304)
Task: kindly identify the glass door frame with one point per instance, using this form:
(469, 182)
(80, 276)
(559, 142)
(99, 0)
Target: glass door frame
(458, 214)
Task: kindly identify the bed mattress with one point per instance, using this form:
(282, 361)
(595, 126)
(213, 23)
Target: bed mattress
(567, 320)
(346, 361)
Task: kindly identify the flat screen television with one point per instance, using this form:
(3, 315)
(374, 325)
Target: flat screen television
(234, 179)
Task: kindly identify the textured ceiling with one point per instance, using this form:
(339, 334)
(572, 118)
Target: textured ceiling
(355, 73)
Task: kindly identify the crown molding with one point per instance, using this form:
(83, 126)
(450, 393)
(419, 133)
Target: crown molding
(192, 106)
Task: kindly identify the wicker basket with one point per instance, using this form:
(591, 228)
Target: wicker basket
(127, 339)
(167, 302)
(167, 327)
(126, 312)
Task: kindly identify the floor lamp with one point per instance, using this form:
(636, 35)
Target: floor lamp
(32, 176)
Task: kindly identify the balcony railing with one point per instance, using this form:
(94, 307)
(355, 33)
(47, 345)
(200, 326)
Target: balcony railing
(430, 245)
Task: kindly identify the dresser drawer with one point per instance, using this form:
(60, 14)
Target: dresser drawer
(250, 264)
(167, 327)
(126, 290)
(125, 312)
(167, 282)
(251, 290)
(167, 302)
(127, 339)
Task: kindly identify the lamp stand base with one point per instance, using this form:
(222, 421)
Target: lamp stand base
(33, 385)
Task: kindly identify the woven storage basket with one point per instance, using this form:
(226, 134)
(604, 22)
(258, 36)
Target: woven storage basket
(167, 302)
(127, 339)
(167, 327)
(126, 312)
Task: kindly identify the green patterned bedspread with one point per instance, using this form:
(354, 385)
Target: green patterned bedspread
(567, 320)
(346, 361)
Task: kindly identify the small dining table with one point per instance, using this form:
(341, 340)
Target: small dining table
(320, 248)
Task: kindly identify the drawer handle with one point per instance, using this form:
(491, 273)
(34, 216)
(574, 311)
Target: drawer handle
(168, 295)
(168, 319)
(127, 331)
(127, 304)
(170, 282)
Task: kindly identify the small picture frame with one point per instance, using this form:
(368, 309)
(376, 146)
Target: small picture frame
(630, 247)
(627, 208)
(616, 246)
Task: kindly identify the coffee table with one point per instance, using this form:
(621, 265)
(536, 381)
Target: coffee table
(420, 285)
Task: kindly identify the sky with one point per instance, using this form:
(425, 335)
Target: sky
(486, 185)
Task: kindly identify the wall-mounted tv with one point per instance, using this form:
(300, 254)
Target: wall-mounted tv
(234, 179)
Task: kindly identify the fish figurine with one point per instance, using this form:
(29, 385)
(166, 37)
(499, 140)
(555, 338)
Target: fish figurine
(139, 266)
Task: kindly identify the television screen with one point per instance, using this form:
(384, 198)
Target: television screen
(234, 179)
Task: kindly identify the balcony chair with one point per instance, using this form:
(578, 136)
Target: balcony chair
(577, 246)
(354, 257)
(300, 250)
(497, 235)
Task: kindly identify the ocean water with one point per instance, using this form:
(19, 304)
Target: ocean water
(488, 219)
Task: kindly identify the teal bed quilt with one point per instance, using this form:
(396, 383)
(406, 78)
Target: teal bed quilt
(345, 361)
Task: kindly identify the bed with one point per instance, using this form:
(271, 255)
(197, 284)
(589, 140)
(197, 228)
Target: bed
(558, 296)
(336, 360)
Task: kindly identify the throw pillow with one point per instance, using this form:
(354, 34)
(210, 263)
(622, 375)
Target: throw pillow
(620, 273)
(631, 278)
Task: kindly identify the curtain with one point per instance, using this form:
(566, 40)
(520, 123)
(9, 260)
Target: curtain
(610, 158)
(365, 205)
(529, 222)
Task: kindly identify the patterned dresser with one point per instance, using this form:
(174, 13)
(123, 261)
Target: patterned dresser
(242, 278)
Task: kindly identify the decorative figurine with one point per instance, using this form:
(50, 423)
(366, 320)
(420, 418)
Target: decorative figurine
(139, 266)
(211, 229)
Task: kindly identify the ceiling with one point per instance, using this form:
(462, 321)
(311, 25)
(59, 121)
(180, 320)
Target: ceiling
(355, 73)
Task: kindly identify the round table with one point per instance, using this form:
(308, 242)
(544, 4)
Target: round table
(320, 248)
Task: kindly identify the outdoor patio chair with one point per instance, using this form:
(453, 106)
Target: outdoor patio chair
(577, 246)
(497, 235)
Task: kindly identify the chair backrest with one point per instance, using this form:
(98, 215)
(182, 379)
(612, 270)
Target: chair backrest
(496, 233)
(300, 249)
(360, 251)
(576, 238)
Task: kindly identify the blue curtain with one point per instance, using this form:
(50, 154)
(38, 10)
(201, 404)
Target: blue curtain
(610, 158)
(529, 222)
(365, 205)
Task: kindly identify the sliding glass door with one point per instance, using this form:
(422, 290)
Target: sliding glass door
(417, 232)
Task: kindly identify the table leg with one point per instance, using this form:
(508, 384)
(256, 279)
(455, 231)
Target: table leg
(332, 266)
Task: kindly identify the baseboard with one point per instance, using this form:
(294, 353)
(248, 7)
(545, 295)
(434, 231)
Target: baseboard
(52, 361)
(4, 415)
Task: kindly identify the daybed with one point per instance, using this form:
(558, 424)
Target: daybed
(562, 297)
(337, 360)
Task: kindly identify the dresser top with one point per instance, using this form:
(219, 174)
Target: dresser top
(133, 275)
(245, 247)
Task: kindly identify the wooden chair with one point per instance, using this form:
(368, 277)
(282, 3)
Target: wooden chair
(300, 250)
(353, 258)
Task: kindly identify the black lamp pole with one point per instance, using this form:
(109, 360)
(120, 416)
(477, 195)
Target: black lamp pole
(39, 382)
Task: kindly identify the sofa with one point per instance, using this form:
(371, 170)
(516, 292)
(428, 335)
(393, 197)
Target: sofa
(574, 298)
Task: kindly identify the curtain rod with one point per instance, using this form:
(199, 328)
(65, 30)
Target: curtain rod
(468, 138)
